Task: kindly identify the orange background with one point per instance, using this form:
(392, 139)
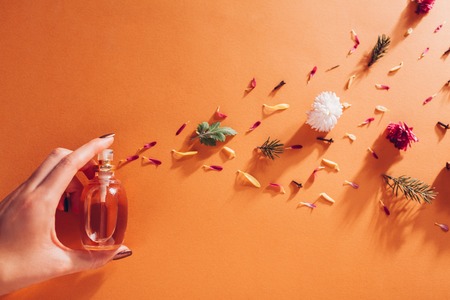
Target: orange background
(74, 70)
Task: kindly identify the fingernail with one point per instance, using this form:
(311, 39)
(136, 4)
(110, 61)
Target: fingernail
(108, 135)
(123, 254)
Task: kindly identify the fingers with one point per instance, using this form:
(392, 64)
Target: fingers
(54, 184)
(47, 166)
(87, 260)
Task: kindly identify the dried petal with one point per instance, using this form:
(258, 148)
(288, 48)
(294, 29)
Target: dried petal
(310, 205)
(386, 210)
(272, 108)
(332, 68)
(439, 27)
(254, 126)
(279, 86)
(350, 81)
(367, 121)
(409, 31)
(424, 52)
(346, 105)
(278, 186)
(444, 227)
(381, 108)
(382, 87)
(220, 115)
(181, 128)
(152, 160)
(429, 99)
(250, 178)
(295, 147)
(251, 85)
(311, 73)
(130, 158)
(373, 152)
(212, 167)
(351, 136)
(180, 155)
(396, 68)
(230, 152)
(314, 173)
(327, 197)
(330, 164)
(352, 184)
(146, 146)
(356, 39)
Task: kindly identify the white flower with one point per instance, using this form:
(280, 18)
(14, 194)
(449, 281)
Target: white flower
(325, 112)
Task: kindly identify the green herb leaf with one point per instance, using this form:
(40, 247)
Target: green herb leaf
(411, 188)
(209, 135)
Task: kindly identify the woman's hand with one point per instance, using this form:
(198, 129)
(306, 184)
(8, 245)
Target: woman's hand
(30, 251)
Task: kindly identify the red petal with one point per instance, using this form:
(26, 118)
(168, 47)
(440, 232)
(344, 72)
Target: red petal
(257, 123)
(132, 157)
(181, 128)
(149, 145)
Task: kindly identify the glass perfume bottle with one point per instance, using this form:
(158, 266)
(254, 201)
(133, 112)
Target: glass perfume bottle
(104, 208)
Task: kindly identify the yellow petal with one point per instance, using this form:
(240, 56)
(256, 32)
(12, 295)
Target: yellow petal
(326, 197)
(272, 108)
(350, 81)
(230, 152)
(346, 105)
(396, 68)
(381, 108)
(330, 164)
(250, 179)
(180, 155)
(351, 136)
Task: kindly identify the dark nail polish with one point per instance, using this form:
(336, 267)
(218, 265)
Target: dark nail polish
(107, 135)
(123, 254)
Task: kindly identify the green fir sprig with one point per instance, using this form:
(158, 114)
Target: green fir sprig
(379, 49)
(209, 135)
(271, 149)
(411, 188)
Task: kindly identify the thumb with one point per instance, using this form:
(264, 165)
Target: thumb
(87, 260)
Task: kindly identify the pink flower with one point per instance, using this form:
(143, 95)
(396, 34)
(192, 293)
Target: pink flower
(400, 135)
(424, 6)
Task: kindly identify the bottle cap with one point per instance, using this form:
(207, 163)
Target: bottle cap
(106, 155)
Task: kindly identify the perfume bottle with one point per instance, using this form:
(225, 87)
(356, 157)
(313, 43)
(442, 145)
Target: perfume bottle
(103, 208)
